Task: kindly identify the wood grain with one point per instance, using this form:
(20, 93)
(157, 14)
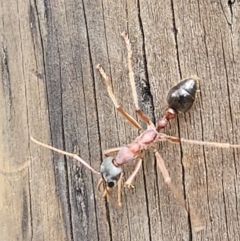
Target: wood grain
(51, 90)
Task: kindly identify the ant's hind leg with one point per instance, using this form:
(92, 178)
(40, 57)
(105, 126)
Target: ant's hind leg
(167, 179)
(197, 222)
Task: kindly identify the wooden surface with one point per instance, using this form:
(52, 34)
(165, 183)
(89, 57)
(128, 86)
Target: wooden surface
(51, 90)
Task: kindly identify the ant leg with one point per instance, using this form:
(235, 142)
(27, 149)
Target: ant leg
(167, 179)
(208, 143)
(197, 223)
(74, 156)
(110, 151)
(162, 167)
(114, 100)
(105, 192)
(142, 115)
(100, 183)
(129, 181)
(119, 183)
(202, 143)
(107, 195)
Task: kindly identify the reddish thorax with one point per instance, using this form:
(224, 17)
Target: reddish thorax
(130, 152)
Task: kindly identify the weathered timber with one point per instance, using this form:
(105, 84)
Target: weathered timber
(51, 90)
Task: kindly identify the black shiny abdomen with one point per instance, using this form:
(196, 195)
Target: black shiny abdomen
(181, 97)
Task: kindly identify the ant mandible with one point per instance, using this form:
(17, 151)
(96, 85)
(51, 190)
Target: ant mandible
(180, 99)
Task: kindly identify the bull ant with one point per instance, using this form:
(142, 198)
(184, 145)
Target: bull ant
(180, 99)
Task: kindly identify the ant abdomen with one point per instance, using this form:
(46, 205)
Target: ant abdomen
(181, 97)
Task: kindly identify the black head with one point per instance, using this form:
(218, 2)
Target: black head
(181, 97)
(110, 172)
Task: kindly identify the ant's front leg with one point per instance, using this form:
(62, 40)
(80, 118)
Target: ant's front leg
(111, 151)
(119, 183)
(107, 82)
(128, 183)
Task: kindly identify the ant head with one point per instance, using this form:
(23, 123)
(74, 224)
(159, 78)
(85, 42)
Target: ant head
(110, 173)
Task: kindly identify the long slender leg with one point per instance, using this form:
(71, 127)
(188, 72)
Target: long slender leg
(111, 151)
(100, 183)
(106, 191)
(119, 183)
(173, 139)
(142, 115)
(74, 156)
(197, 223)
(162, 167)
(208, 143)
(129, 181)
(114, 100)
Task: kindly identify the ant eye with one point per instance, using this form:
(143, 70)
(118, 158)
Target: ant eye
(110, 184)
